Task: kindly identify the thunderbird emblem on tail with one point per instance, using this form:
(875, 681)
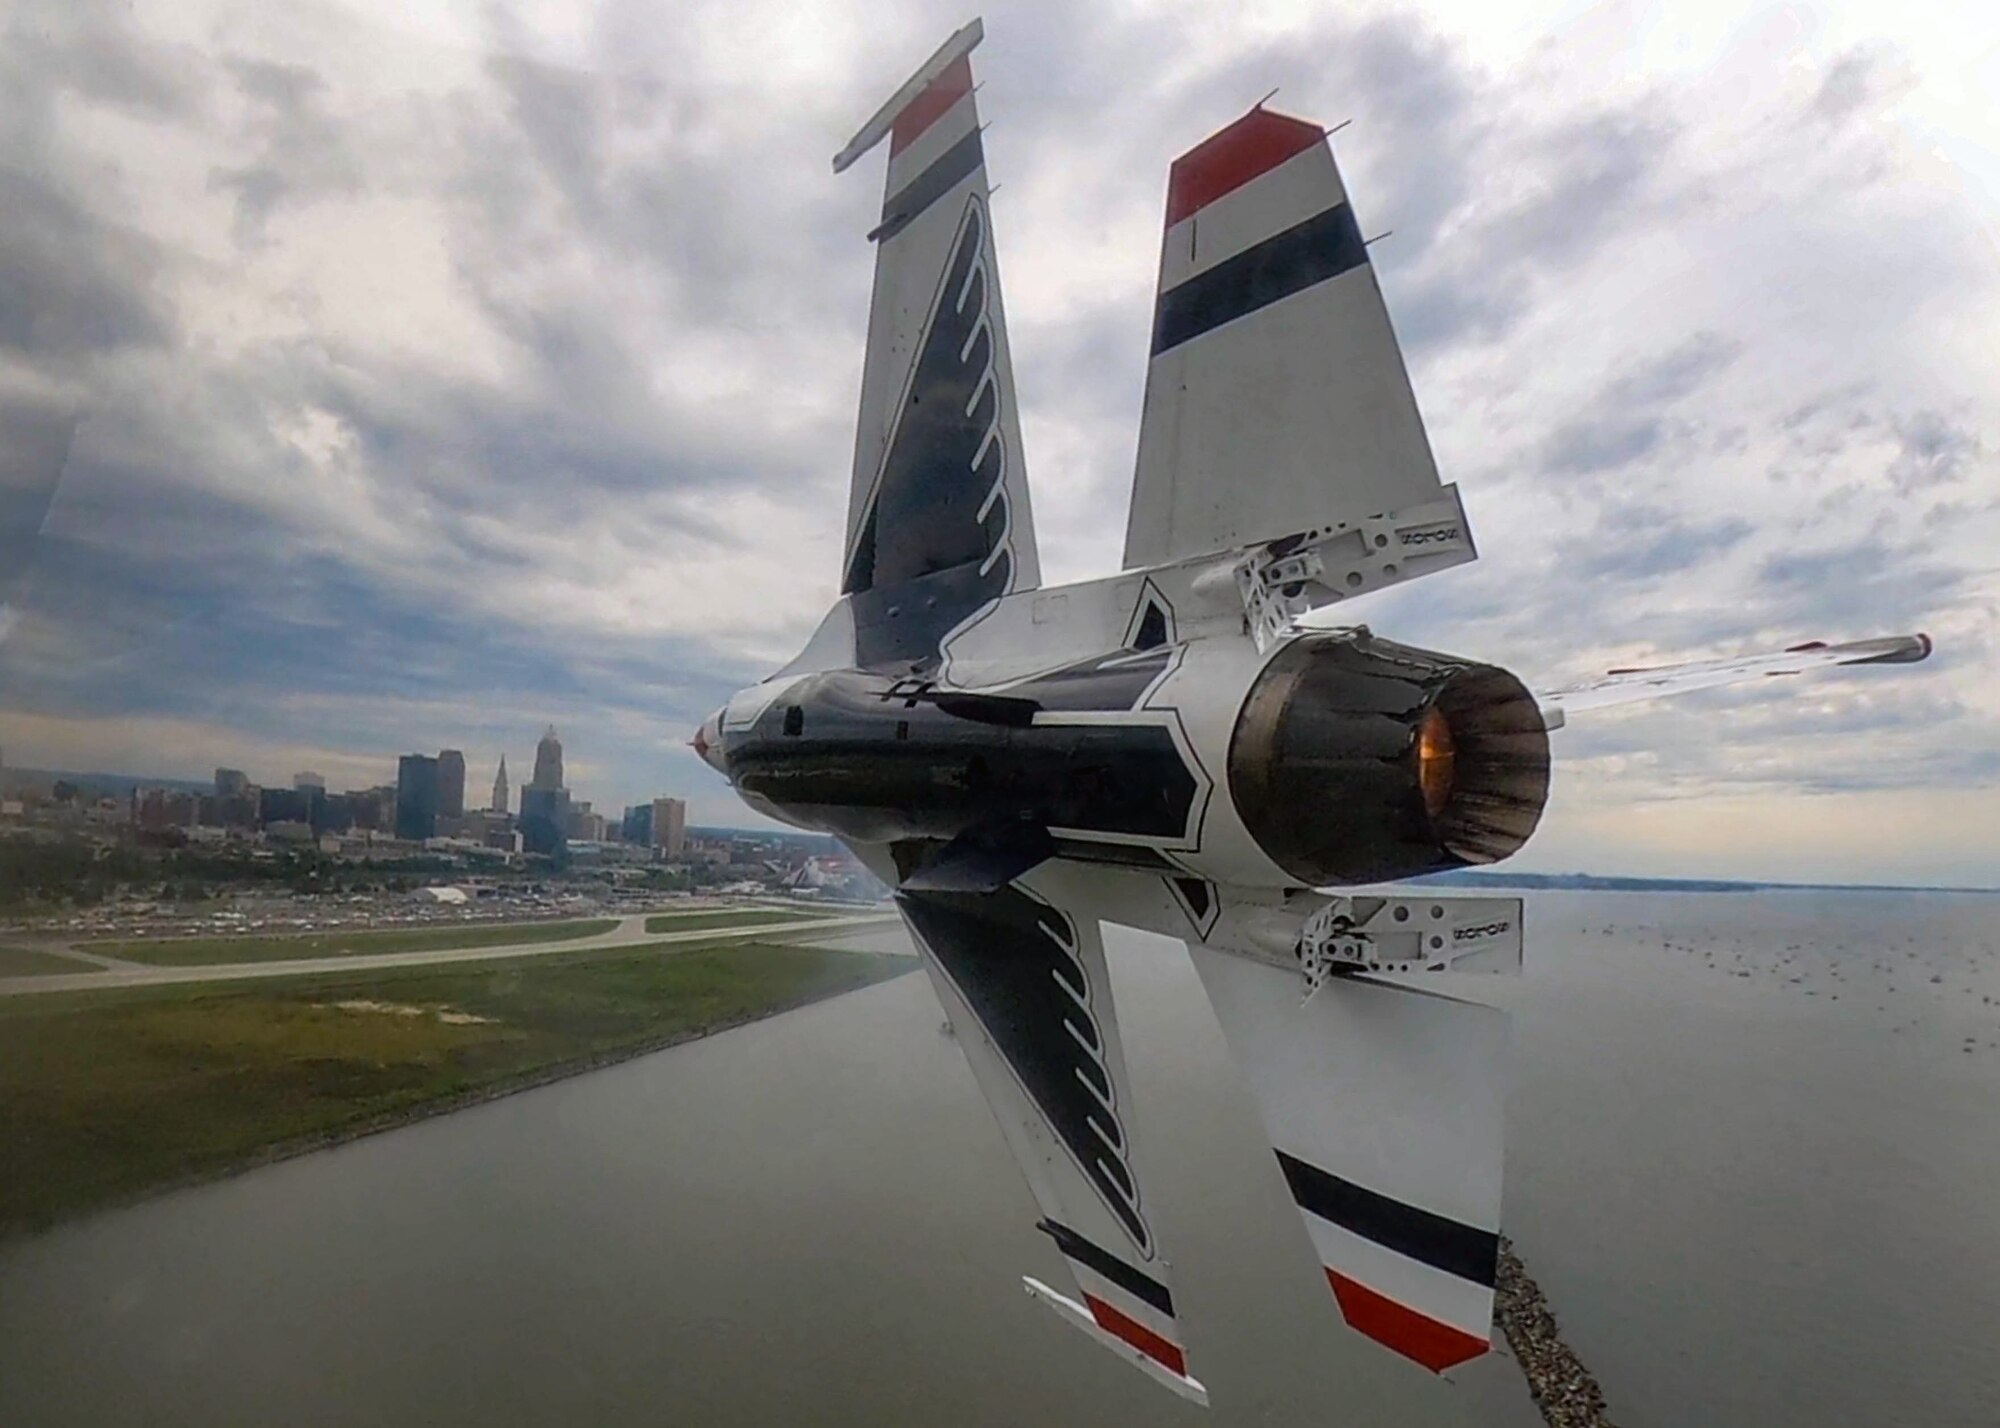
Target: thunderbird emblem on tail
(1168, 748)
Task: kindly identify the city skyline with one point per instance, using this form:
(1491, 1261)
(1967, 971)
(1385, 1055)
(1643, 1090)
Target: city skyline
(238, 780)
(415, 808)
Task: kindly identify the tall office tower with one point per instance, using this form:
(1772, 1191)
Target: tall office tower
(451, 783)
(548, 762)
(670, 817)
(544, 821)
(308, 780)
(231, 783)
(499, 804)
(416, 797)
(638, 824)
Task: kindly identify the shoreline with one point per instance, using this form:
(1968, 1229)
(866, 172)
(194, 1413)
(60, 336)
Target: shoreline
(1564, 1390)
(420, 1111)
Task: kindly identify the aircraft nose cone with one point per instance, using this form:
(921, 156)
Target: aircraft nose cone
(707, 743)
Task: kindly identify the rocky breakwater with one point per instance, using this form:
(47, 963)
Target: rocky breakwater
(1563, 1388)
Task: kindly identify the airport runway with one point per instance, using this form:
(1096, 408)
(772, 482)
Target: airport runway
(630, 932)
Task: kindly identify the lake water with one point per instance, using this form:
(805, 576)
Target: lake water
(1754, 1158)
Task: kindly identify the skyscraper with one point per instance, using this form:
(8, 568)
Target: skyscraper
(451, 783)
(548, 762)
(230, 783)
(416, 797)
(670, 826)
(499, 804)
(308, 780)
(544, 819)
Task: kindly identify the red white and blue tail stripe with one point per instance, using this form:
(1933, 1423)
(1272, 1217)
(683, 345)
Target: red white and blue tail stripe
(1124, 1308)
(1384, 1105)
(1276, 399)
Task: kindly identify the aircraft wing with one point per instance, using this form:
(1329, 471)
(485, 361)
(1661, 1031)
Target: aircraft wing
(1024, 984)
(1628, 686)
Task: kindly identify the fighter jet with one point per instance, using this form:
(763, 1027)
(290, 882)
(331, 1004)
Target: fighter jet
(1194, 748)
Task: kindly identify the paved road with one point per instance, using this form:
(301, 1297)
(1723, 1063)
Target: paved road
(82, 954)
(630, 931)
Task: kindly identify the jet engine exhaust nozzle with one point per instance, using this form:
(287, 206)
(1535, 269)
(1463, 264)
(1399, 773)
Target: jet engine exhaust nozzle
(1358, 760)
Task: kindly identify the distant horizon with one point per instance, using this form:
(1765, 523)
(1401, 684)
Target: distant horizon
(1517, 877)
(186, 783)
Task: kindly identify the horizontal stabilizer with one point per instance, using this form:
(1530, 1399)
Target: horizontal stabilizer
(1384, 1106)
(1024, 984)
(1276, 398)
(1630, 686)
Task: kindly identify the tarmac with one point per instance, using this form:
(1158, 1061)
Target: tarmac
(630, 932)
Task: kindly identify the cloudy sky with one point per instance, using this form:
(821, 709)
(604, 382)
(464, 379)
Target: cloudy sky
(379, 377)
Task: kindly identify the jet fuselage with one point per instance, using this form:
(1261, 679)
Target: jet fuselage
(1342, 759)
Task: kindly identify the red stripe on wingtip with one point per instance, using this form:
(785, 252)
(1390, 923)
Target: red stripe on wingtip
(1162, 1351)
(932, 105)
(1431, 1342)
(1230, 158)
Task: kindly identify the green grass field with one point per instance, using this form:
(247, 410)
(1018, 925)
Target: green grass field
(105, 1095)
(205, 951)
(26, 962)
(737, 917)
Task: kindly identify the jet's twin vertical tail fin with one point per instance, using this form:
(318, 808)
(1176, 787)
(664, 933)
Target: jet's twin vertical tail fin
(938, 525)
(1276, 401)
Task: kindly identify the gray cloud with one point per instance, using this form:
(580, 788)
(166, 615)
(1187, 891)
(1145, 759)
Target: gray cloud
(1584, 448)
(1626, 422)
(1935, 452)
(75, 283)
(298, 148)
(1591, 176)
(1679, 372)
(1860, 80)
(1868, 582)
(1635, 543)
(89, 48)
(35, 439)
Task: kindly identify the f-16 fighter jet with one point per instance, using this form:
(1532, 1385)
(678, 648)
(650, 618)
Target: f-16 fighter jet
(1170, 748)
